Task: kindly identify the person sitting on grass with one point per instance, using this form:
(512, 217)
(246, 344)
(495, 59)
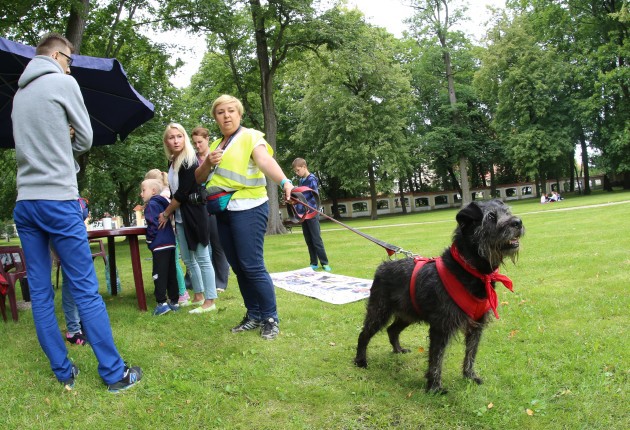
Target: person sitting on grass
(161, 242)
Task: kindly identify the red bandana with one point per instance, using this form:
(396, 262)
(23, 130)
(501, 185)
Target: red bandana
(474, 307)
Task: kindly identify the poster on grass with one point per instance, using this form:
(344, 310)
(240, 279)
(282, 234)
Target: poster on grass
(325, 286)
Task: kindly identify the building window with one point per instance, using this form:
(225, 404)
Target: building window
(422, 202)
(441, 200)
(382, 204)
(359, 207)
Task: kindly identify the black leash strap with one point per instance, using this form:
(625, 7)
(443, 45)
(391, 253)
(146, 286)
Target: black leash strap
(391, 249)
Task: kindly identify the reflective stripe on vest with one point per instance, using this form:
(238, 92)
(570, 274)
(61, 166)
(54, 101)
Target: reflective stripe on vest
(233, 173)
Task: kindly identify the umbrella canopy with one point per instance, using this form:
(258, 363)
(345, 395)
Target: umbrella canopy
(114, 106)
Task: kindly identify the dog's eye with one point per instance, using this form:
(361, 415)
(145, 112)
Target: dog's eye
(492, 217)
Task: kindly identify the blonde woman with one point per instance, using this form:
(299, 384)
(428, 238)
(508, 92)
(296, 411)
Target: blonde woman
(191, 219)
(240, 160)
(184, 297)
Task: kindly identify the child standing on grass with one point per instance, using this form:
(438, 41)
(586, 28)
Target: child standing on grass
(161, 242)
(184, 297)
(310, 227)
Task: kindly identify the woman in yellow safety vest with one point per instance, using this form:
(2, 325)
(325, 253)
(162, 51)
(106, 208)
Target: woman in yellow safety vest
(238, 163)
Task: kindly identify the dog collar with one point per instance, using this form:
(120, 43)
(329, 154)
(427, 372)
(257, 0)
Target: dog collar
(487, 279)
(473, 306)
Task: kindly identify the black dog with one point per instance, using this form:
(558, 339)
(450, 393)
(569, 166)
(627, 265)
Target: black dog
(451, 293)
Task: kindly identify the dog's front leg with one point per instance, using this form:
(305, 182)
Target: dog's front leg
(438, 340)
(473, 336)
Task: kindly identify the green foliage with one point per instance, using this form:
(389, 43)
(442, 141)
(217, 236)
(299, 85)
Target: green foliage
(555, 360)
(353, 113)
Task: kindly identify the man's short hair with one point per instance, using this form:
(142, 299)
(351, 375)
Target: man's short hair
(52, 42)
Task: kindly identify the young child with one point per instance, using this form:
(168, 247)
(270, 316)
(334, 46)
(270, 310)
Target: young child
(161, 242)
(184, 297)
(310, 227)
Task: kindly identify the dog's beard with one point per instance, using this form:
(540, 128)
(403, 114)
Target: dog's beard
(497, 242)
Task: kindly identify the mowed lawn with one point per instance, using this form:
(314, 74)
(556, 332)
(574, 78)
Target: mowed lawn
(558, 358)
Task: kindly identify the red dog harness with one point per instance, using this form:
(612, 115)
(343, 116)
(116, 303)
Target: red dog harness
(473, 306)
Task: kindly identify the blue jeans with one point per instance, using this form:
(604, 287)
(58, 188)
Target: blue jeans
(198, 264)
(242, 236)
(70, 310)
(181, 284)
(39, 224)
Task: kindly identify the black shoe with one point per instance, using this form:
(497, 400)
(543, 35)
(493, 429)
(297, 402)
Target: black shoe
(131, 376)
(69, 383)
(246, 324)
(270, 329)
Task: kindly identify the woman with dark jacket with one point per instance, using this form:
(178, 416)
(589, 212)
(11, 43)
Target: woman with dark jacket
(191, 219)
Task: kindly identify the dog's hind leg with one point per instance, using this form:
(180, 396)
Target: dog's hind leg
(438, 341)
(473, 336)
(393, 331)
(375, 318)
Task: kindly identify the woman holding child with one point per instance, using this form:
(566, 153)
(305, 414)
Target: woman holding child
(191, 219)
(238, 162)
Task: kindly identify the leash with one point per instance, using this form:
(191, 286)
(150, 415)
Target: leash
(298, 198)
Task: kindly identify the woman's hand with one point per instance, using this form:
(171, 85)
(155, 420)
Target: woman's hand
(202, 172)
(163, 220)
(288, 187)
(215, 157)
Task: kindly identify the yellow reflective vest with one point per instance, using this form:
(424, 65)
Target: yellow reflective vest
(237, 170)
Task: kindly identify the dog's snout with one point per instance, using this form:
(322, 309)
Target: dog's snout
(516, 223)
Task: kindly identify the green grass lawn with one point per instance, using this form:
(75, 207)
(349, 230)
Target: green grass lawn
(557, 359)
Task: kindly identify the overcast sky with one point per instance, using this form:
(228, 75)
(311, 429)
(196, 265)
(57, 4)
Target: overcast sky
(383, 13)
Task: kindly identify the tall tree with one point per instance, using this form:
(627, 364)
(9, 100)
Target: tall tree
(434, 17)
(353, 115)
(532, 111)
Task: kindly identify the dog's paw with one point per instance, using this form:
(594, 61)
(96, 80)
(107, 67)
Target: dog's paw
(473, 376)
(360, 362)
(437, 389)
(402, 351)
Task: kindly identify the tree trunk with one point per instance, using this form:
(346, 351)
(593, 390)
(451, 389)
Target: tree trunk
(587, 180)
(493, 182)
(76, 23)
(274, 224)
(373, 199)
(463, 160)
(333, 193)
(572, 176)
(401, 191)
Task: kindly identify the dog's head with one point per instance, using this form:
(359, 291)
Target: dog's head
(489, 229)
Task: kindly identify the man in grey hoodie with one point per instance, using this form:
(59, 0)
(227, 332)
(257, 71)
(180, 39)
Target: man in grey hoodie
(47, 107)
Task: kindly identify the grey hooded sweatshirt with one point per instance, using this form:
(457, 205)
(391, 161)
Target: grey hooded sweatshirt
(46, 103)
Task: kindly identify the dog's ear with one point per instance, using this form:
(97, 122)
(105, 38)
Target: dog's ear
(469, 214)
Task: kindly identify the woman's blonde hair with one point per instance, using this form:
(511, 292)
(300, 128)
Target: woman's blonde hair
(159, 175)
(226, 98)
(187, 157)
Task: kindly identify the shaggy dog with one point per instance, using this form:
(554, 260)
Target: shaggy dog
(451, 293)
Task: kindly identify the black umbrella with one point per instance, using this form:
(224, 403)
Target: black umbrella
(115, 107)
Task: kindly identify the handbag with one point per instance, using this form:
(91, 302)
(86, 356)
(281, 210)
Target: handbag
(217, 202)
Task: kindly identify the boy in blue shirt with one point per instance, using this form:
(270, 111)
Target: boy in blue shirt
(161, 242)
(310, 227)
